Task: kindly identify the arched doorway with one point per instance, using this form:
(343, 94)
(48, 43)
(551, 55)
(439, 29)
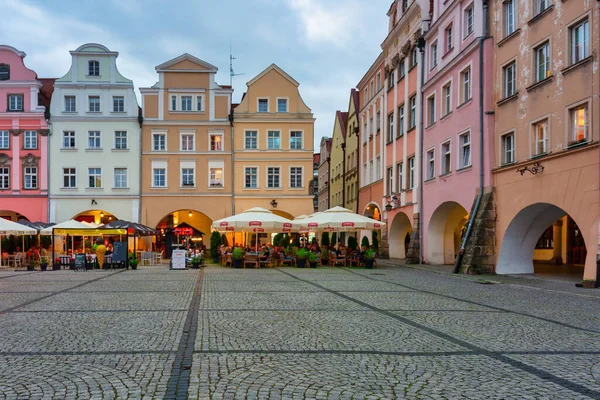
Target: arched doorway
(12, 215)
(95, 216)
(188, 218)
(543, 238)
(444, 233)
(373, 211)
(400, 230)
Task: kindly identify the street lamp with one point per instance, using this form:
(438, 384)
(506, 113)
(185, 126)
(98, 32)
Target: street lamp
(274, 203)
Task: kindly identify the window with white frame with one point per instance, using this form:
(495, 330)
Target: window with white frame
(372, 89)
(401, 120)
(187, 177)
(412, 118)
(580, 41)
(94, 177)
(4, 140)
(371, 125)
(296, 177)
(159, 142)
(187, 142)
(15, 102)
(542, 61)
(448, 38)
(411, 173)
(263, 105)
(121, 140)
(469, 18)
(414, 57)
(378, 171)
(173, 103)
(93, 68)
(120, 176)
(251, 140)
(296, 141)
(433, 54)
(399, 177)
(390, 127)
(541, 6)
(118, 103)
(70, 104)
(94, 103)
(430, 164)
(273, 140)
(68, 140)
(579, 123)
(159, 177)
(378, 80)
(273, 177)
(446, 98)
(391, 79)
(390, 180)
(282, 105)
(508, 148)
(509, 77)
(216, 142)
(251, 177)
(464, 143)
(31, 140)
(30, 178)
(431, 110)
(402, 68)
(510, 17)
(540, 137)
(465, 89)
(216, 177)
(186, 103)
(199, 103)
(94, 140)
(69, 178)
(372, 171)
(378, 121)
(446, 158)
(4, 178)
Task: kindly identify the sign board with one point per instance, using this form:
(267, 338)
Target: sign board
(230, 228)
(348, 224)
(178, 259)
(260, 230)
(119, 254)
(254, 223)
(224, 224)
(80, 261)
(183, 231)
(287, 225)
(313, 225)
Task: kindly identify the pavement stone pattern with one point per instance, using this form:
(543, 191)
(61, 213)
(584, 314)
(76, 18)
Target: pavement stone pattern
(288, 333)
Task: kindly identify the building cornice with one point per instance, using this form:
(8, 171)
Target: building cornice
(413, 11)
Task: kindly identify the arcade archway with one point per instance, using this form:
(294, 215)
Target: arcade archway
(95, 217)
(444, 233)
(399, 235)
(194, 222)
(12, 215)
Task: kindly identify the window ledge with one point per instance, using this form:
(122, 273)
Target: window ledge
(94, 150)
(463, 104)
(390, 88)
(447, 115)
(400, 79)
(279, 188)
(579, 63)
(446, 174)
(538, 156)
(94, 189)
(220, 187)
(118, 112)
(430, 126)
(68, 188)
(507, 38)
(508, 99)
(539, 83)
(412, 67)
(449, 51)
(93, 112)
(411, 129)
(120, 150)
(540, 15)
(577, 144)
(399, 136)
(21, 110)
(251, 188)
(69, 112)
(185, 112)
(297, 189)
(508, 164)
(159, 187)
(464, 169)
(185, 187)
(120, 188)
(428, 180)
(69, 149)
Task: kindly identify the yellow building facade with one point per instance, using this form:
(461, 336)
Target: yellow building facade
(337, 166)
(351, 140)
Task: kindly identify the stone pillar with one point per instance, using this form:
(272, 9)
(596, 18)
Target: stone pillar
(413, 255)
(384, 246)
(479, 256)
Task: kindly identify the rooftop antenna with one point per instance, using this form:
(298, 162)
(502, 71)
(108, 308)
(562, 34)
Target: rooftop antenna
(231, 73)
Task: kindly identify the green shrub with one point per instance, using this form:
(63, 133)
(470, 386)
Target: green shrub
(237, 253)
(364, 241)
(375, 240)
(370, 254)
(215, 242)
(302, 254)
(312, 257)
(352, 243)
(277, 240)
(325, 239)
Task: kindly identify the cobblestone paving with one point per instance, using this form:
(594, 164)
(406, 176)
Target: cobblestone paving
(287, 333)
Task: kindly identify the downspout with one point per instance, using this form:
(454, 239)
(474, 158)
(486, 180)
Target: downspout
(232, 164)
(328, 181)
(344, 174)
(473, 215)
(141, 121)
(48, 180)
(421, 46)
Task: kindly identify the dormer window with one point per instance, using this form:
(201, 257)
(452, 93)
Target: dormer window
(263, 105)
(404, 5)
(4, 72)
(93, 68)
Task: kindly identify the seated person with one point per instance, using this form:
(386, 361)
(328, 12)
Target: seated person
(264, 253)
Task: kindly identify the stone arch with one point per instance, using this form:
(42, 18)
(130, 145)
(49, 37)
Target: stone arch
(96, 216)
(372, 210)
(399, 229)
(444, 232)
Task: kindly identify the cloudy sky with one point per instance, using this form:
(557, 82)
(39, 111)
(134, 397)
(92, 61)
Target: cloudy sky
(326, 45)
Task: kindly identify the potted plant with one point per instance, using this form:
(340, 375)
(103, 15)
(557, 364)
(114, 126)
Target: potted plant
(324, 256)
(312, 259)
(196, 261)
(237, 257)
(301, 257)
(132, 261)
(32, 264)
(588, 283)
(44, 263)
(215, 242)
(369, 258)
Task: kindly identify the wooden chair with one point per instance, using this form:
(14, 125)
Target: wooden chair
(335, 260)
(268, 263)
(286, 260)
(227, 260)
(353, 260)
(251, 259)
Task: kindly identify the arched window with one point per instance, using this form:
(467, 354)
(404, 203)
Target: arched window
(93, 68)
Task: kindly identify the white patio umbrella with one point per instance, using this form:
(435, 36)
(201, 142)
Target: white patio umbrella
(70, 224)
(12, 228)
(338, 219)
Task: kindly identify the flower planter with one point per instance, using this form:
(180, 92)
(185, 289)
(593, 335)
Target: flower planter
(237, 263)
(369, 263)
(313, 264)
(30, 268)
(196, 265)
(44, 266)
(301, 262)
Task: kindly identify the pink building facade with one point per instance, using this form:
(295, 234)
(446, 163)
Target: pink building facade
(23, 139)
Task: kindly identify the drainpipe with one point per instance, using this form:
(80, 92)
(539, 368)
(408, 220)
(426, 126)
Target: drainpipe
(421, 46)
(344, 174)
(232, 164)
(328, 181)
(140, 121)
(482, 39)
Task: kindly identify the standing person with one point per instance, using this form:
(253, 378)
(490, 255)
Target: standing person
(100, 252)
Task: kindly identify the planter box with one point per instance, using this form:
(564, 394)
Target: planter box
(589, 284)
(369, 263)
(237, 263)
(301, 262)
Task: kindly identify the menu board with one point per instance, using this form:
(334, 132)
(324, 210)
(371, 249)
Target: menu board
(119, 254)
(178, 259)
(80, 261)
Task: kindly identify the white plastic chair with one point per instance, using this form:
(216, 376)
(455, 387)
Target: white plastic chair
(146, 257)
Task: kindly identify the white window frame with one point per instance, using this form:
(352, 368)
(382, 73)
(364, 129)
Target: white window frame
(4, 178)
(278, 136)
(183, 176)
(400, 177)
(542, 50)
(126, 138)
(390, 180)
(541, 6)
(433, 55)
(246, 131)
(200, 103)
(509, 79)
(191, 102)
(508, 156)
(430, 164)
(509, 11)
(72, 173)
(32, 138)
(32, 174)
(301, 177)
(16, 107)
(401, 120)
(210, 136)
(378, 165)
(412, 118)
(446, 99)
(93, 68)
(446, 157)
(449, 37)
(258, 100)
(173, 101)
(287, 104)
(115, 109)
(390, 123)
(99, 147)
(469, 26)
(256, 175)
(431, 117)
(584, 50)
(544, 121)
(72, 135)
(411, 173)
(585, 106)
(70, 96)
(186, 134)
(99, 104)
(466, 84)
(164, 137)
(279, 176)
(89, 176)
(4, 138)
(211, 179)
(160, 165)
(294, 131)
(462, 149)
(378, 81)
(115, 180)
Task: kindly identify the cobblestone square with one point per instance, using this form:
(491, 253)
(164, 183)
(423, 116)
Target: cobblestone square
(286, 333)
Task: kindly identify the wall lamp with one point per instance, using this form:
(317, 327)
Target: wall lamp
(274, 203)
(395, 201)
(101, 214)
(535, 169)
(94, 202)
(190, 214)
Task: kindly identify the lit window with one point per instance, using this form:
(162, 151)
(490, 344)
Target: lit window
(216, 142)
(94, 177)
(540, 138)
(216, 177)
(542, 62)
(579, 123)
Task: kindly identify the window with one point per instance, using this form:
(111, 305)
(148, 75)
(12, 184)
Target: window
(378, 121)
(579, 123)
(187, 177)
(464, 141)
(94, 177)
(541, 5)
(433, 53)
(296, 140)
(430, 164)
(251, 177)
(4, 140)
(510, 17)
(15, 102)
(378, 171)
(371, 125)
(404, 5)
(508, 148)
(411, 173)
(542, 62)
(31, 140)
(391, 80)
(509, 76)
(186, 103)
(540, 138)
(199, 103)
(121, 140)
(216, 142)
(4, 178)
(448, 37)
(372, 90)
(273, 177)
(546, 240)
(159, 142)
(94, 103)
(412, 118)
(159, 177)
(580, 39)
(401, 120)
(263, 105)
(378, 81)
(93, 68)
(173, 103)
(465, 79)
(69, 178)
(390, 180)
(30, 178)
(399, 176)
(118, 104)
(446, 158)
(70, 104)
(120, 178)
(431, 110)
(251, 140)
(296, 177)
(68, 140)
(282, 105)
(4, 72)
(216, 177)
(402, 68)
(414, 57)
(390, 127)
(447, 98)
(187, 142)
(273, 140)
(94, 141)
(469, 15)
